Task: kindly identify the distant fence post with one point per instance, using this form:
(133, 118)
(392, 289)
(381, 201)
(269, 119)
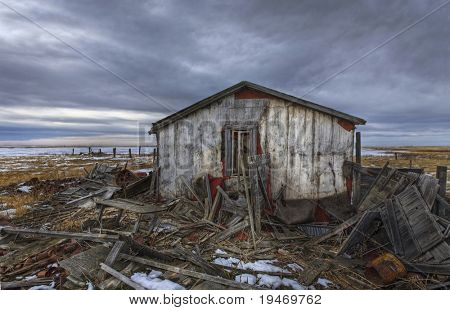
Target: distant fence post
(139, 151)
(114, 152)
(90, 151)
(129, 153)
(441, 175)
(73, 151)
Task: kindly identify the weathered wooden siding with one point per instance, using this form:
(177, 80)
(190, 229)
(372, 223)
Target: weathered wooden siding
(307, 147)
(192, 146)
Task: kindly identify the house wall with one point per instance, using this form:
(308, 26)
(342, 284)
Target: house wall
(307, 147)
(192, 146)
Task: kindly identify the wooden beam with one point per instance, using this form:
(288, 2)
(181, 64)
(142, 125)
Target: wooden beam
(121, 277)
(356, 174)
(358, 148)
(25, 283)
(249, 204)
(191, 190)
(61, 234)
(114, 253)
(214, 206)
(186, 272)
(338, 229)
(231, 231)
(441, 175)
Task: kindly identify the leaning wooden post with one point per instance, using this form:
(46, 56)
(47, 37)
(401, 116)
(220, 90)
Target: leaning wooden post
(441, 175)
(129, 153)
(249, 204)
(114, 152)
(357, 174)
(358, 148)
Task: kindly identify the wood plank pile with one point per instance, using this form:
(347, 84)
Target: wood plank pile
(99, 234)
(396, 215)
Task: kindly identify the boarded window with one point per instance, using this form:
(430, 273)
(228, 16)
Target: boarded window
(238, 144)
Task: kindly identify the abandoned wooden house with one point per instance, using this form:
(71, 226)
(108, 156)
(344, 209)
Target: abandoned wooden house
(303, 144)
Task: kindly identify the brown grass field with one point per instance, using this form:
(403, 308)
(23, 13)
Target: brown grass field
(428, 158)
(53, 168)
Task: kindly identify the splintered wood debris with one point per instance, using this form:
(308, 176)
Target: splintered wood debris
(112, 230)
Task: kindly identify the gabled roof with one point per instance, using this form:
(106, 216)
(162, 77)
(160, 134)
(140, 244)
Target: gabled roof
(245, 84)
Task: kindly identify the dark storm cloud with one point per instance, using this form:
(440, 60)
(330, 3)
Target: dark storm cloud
(181, 51)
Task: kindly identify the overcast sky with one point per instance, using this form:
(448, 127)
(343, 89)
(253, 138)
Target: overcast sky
(178, 52)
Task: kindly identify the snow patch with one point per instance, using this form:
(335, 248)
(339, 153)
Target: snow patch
(10, 213)
(259, 265)
(324, 282)
(152, 281)
(227, 262)
(148, 170)
(164, 227)
(295, 267)
(274, 282)
(25, 189)
(246, 278)
(51, 286)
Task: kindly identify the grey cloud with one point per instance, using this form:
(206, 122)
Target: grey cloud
(182, 51)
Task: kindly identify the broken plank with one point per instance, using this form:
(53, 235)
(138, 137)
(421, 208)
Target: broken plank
(187, 272)
(231, 231)
(121, 277)
(115, 251)
(192, 191)
(100, 191)
(25, 283)
(249, 205)
(338, 229)
(129, 205)
(214, 206)
(60, 234)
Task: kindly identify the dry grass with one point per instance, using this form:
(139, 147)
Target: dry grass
(18, 200)
(21, 169)
(17, 170)
(427, 158)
